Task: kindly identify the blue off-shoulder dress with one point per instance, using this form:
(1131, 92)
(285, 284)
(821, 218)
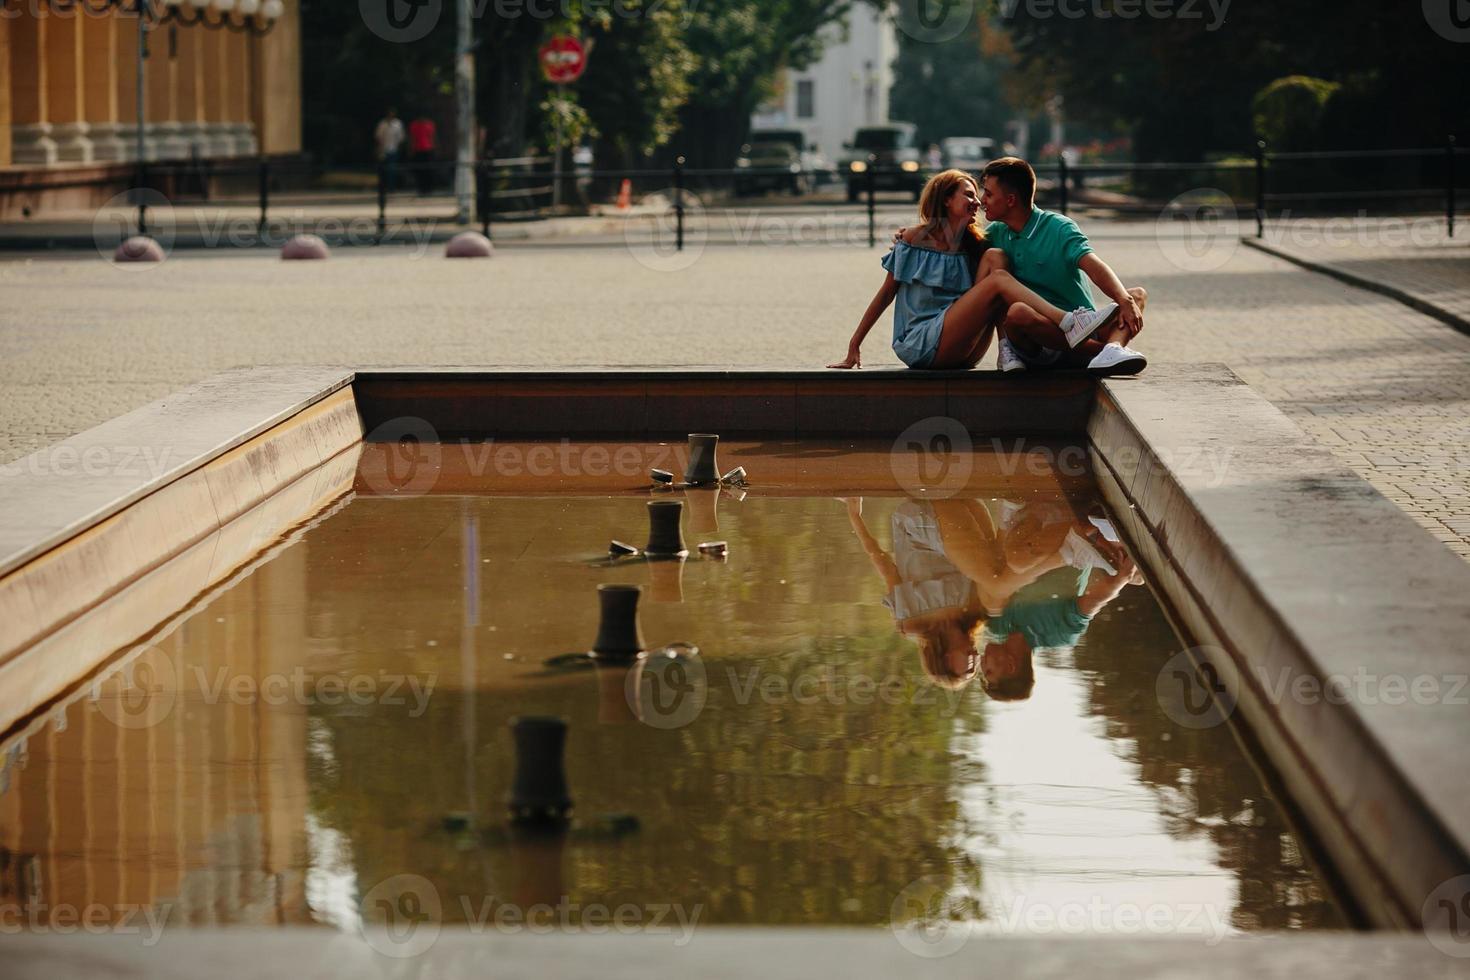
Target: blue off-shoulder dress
(929, 282)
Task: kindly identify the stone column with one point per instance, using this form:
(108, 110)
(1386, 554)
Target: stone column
(277, 89)
(100, 98)
(237, 95)
(125, 57)
(66, 80)
(31, 141)
(4, 91)
(190, 89)
(163, 117)
(216, 70)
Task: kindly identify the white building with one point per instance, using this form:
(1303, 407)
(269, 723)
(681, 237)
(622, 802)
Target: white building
(846, 89)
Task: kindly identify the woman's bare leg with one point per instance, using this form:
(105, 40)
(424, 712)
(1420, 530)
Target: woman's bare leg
(968, 322)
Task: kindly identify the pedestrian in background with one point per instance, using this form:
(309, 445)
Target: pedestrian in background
(389, 139)
(423, 137)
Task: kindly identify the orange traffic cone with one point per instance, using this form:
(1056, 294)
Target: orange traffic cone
(625, 195)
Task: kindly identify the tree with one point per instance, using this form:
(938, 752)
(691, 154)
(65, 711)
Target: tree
(740, 48)
(1185, 85)
(949, 88)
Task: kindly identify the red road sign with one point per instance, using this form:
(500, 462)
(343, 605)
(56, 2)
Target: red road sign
(563, 59)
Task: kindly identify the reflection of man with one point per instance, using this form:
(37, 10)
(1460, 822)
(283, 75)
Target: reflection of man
(1019, 577)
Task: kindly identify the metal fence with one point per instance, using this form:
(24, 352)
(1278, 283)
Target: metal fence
(1264, 185)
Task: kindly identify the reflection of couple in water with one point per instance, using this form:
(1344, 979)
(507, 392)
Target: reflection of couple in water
(971, 581)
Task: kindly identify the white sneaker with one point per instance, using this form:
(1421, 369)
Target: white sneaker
(1080, 553)
(1117, 359)
(1007, 359)
(1109, 533)
(1082, 323)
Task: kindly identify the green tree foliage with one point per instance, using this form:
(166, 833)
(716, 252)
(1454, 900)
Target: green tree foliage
(1288, 112)
(740, 48)
(1185, 85)
(638, 76)
(949, 88)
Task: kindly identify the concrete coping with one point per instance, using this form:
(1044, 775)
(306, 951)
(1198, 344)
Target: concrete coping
(716, 952)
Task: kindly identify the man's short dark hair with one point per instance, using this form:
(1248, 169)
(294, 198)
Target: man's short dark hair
(1015, 175)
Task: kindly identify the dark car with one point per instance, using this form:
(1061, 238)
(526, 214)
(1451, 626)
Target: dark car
(770, 166)
(891, 151)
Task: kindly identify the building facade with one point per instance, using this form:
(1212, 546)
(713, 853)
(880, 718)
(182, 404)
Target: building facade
(847, 88)
(68, 84)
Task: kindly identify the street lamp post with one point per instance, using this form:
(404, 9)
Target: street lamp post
(464, 100)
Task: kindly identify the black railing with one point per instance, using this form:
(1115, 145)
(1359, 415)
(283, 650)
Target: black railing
(523, 188)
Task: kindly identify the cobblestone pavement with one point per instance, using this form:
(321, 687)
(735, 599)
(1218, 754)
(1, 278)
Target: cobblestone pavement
(1415, 256)
(1388, 389)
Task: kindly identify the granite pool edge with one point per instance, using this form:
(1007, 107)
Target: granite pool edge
(1307, 592)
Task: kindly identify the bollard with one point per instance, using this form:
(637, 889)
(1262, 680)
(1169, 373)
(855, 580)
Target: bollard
(619, 637)
(665, 535)
(702, 468)
(539, 796)
(1449, 185)
(1062, 180)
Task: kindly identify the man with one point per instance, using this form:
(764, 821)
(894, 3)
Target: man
(389, 139)
(1049, 253)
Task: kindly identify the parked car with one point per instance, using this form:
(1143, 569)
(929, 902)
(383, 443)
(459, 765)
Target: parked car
(892, 151)
(819, 169)
(967, 152)
(770, 166)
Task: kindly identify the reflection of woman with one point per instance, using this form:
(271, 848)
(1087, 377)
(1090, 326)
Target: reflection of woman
(959, 573)
(932, 601)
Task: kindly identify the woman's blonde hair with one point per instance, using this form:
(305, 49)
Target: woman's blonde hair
(934, 652)
(934, 199)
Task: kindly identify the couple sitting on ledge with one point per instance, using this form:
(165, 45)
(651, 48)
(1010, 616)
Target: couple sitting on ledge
(956, 284)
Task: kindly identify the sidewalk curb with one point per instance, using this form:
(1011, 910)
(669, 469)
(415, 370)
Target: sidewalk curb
(1384, 289)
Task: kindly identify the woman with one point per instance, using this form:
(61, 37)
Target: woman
(946, 285)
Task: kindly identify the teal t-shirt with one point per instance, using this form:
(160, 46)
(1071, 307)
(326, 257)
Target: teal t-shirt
(1044, 256)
